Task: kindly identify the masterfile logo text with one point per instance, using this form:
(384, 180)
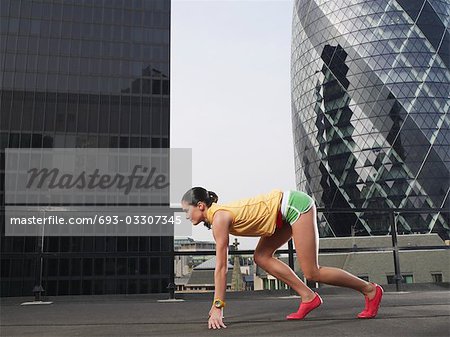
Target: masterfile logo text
(55, 179)
(87, 176)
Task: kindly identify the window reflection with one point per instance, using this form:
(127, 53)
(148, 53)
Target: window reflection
(391, 70)
(74, 77)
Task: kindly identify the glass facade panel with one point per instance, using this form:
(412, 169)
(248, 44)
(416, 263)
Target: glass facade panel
(84, 74)
(370, 84)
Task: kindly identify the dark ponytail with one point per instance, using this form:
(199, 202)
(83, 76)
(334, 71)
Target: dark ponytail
(197, 194)
(213, 197)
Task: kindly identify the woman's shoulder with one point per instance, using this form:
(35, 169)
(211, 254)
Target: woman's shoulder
(217, 212)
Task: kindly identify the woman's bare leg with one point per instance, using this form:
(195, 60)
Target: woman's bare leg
(264, 258)
(305, 236)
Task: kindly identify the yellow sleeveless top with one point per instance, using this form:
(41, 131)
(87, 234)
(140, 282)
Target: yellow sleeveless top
(253, 216)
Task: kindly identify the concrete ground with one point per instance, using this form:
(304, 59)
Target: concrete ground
(416, 312)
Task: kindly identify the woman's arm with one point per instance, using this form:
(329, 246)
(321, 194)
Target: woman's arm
(221, 236)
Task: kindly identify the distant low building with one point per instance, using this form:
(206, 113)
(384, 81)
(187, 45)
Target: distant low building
(184, 264)
(196, 273)
(202, 277)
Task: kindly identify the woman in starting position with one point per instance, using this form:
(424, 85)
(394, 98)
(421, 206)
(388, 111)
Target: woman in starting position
(275, 217)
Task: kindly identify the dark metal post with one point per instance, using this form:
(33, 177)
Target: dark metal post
(38, 290)
(291, 260)
(172, 285)
(398, 276)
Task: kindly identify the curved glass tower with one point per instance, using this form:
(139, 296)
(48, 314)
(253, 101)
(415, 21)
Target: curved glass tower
(370, 101)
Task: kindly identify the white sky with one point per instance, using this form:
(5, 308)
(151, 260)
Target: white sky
(230, 97)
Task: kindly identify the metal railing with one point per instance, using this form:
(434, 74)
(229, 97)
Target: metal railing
(393, 214)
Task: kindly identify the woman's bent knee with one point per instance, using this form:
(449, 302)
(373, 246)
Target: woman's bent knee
(261, 259)
(312, 274)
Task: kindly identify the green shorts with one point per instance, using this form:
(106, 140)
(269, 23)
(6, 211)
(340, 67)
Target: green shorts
(294, 204)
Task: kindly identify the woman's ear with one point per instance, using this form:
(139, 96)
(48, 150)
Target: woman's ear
(201, 206)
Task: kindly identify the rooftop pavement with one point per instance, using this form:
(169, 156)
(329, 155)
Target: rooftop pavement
(414, 312)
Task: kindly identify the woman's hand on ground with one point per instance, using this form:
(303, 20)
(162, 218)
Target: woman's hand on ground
(215, 320)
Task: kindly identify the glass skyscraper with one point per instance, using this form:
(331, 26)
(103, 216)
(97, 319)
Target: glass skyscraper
(370, 102)
(77, 74)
